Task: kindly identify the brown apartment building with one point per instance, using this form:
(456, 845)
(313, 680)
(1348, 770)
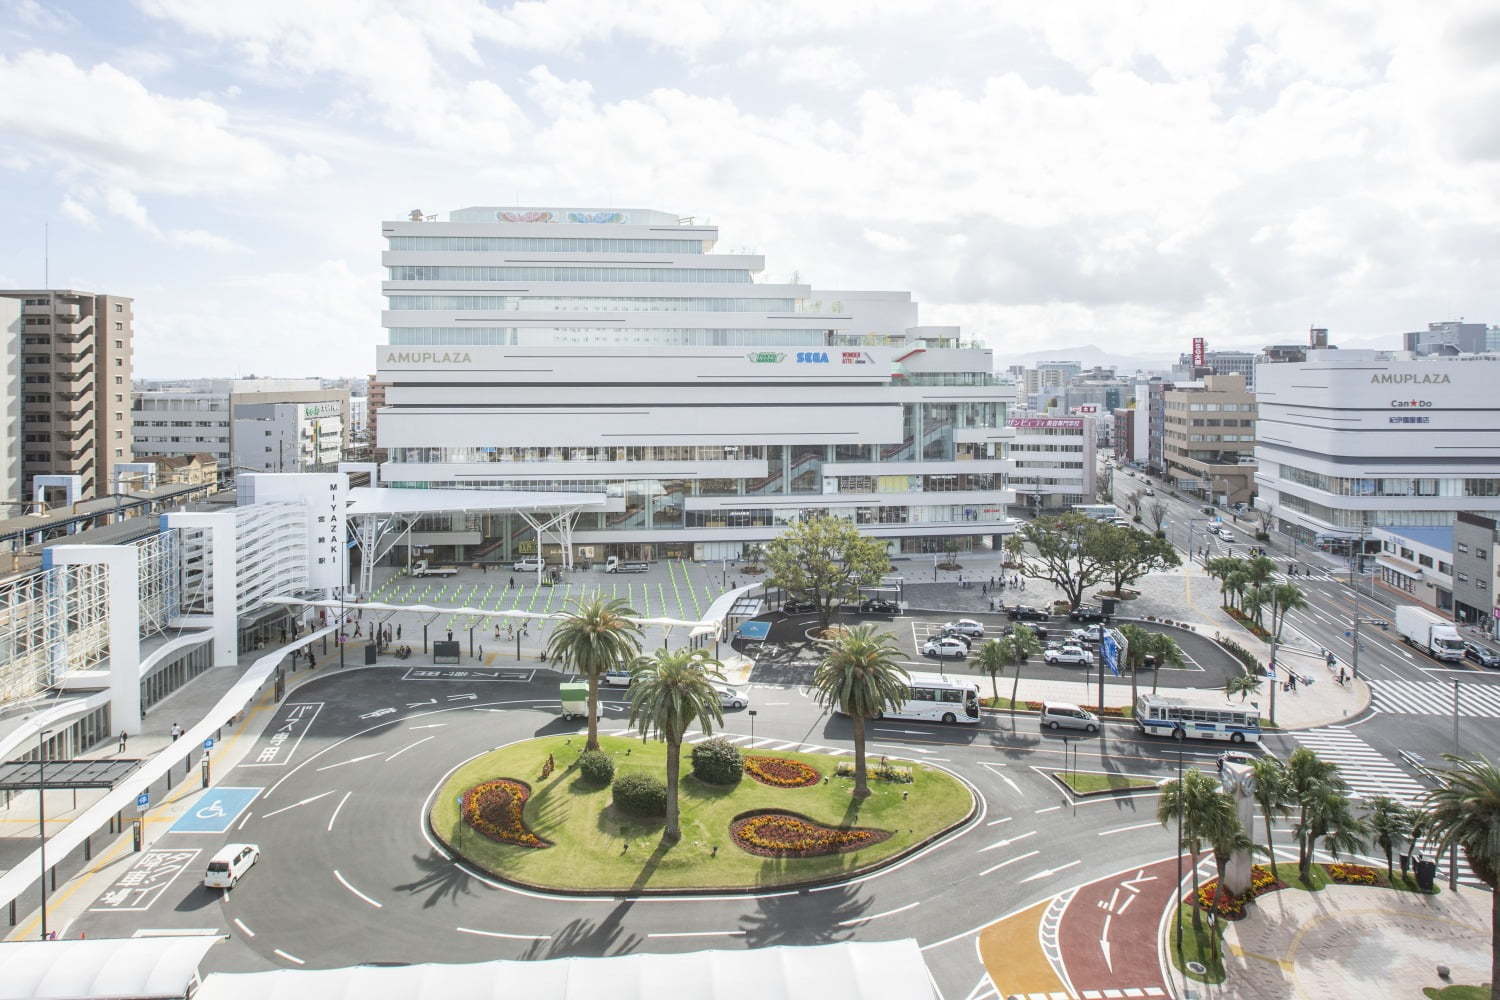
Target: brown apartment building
(75, 368)
(1208, 440)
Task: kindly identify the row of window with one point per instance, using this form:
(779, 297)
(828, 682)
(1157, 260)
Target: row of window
(545, 244)
(673, 336)
(591, 303)
(1366, 518)
(688, 275)
(1392, 486)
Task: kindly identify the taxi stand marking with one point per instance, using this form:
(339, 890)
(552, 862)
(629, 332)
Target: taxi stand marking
(147, 879)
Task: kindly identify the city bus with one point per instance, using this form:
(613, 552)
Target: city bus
(938, 698)
(1159, 715)
(1098, 511)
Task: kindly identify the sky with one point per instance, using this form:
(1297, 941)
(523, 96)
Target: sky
(1121, 173)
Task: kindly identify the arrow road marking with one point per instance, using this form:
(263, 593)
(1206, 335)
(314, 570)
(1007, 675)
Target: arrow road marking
(378, 713)
(1104, 943)
(1010, 861)
(352, 760)
(419, 704)
(437, 725)
(463, 697)
(1007, 843)
(294, 805)
(1052, 871)
(408, 747)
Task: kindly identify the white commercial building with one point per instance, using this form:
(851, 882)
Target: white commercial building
(263, 425)
(1349, 440)
(607, 351)
(1054, 462)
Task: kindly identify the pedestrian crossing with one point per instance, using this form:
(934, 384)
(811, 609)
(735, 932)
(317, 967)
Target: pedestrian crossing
(1368, 772)
(747, 742)
(1476, 700)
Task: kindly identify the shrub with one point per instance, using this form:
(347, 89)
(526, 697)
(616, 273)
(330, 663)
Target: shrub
(641, 795)
(718, 762)
(597, 767)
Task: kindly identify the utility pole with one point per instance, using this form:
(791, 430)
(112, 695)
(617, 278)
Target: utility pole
(1360, 557)
(41, 816)
(1453, 846)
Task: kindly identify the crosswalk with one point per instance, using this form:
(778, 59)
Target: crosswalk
(748, 742)
(1368, 772)
(1477, 700)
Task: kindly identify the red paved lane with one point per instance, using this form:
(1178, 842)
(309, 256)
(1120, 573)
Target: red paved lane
(1108, 933)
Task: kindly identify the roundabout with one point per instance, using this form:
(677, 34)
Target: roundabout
(568, 834)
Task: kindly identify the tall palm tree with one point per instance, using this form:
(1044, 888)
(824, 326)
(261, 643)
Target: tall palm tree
(1235, 585)
(1323, 809)
(596, 637)
(1261, 570)
(1466, 812)
(1015, 548)
(1273, 793)
(1021, 645)
(1390, 822)
(861, 676)
(1254, 602)
(1243, 685)
(1193, 797)
(1284, 598)
(1220, 567)
(992, 659)
(1164, 652)
(1135, 652)
(670, 690)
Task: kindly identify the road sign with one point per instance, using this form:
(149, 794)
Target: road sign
(143, 800)
(208, 744)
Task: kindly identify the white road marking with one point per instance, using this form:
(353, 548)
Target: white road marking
(336, 810)
(1052, 871)
(997, 822)
(241, 925)
(876, 916)
(501, 934)
(294, 805)
(409, 747)
(351, 760)
(1124, 829)
(346, 885)
(1010, 861)
(1048, 809)
(678, 934)
(248, 814)
(288, 956)
(1007, 843)
(437, 725)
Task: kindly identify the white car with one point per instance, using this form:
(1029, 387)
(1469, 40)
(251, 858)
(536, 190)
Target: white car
(1224, 533)
(966, 626)
(946, 648)
(230, 863)
(730, 698)
(617, 678)
(1069, 654)
(1093, 633)
(1150, 492)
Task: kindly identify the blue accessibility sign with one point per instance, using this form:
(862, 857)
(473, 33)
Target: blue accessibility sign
(143, 800)
(208, 744)
(215, 810)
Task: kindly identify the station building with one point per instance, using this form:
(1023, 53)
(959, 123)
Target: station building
(611, 352)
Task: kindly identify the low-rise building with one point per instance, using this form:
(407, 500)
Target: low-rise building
(1209, 438)
(1416, 564)
(289, 425)
(1476, 571)
(185, 470)
(1054, 462)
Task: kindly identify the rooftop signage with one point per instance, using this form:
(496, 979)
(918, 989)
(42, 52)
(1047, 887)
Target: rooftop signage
(1057, 423)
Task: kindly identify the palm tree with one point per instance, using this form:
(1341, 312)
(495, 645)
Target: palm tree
(668, 692)
(992, 658)
(1164, 652)
(1261, 569)
(861, 676)
(1137, 642)
(1466, 812)
(1225, 835)
(1015, 548)
(596, 637)
(1323, 809)
(1284, 598)
(1390, 822)
(1273, 793)
(1220, 567)
(1193, 797)
(1235, 585)
(1243, 685)
(1257, 596)
(1021, 645)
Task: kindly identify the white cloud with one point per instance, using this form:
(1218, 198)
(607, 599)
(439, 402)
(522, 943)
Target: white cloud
(78, 212)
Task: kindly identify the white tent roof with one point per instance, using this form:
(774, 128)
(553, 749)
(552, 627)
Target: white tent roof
(385, 500)
(104, 968)
(852, 970)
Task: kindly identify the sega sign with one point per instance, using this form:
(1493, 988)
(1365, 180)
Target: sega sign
(812, 357)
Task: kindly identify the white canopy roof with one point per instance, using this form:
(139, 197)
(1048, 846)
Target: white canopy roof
(851, 970)
(138, 968)
(385, 500)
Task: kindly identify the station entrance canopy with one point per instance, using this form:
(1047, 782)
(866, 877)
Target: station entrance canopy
(19, 775)
(381, 516)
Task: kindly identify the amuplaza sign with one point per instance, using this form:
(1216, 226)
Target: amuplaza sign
(428, 358)
(1410, 378)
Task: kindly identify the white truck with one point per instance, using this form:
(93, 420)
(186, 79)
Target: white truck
(614, 564)
(420, 568)
(1429, 632)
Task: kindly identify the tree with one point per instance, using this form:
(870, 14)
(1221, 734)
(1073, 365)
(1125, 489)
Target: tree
(861, 676)
(1390, 822)
(1156, 513)
(1105, 483)
(825, 560)
(1273, 793)
(1261, 569)
(1243, 685)
(1138, 646)
(992, 659)
(1066, 555)
(1465, 812)
(596, 637)
(1196, 798)
(1164, 652)
(1015, 549)
(1019, 646)
(1219, 568)
(1283, 598)
(1128, 554)
(1235, 585)
(754, 554)
(669, 691)
(1323, 809)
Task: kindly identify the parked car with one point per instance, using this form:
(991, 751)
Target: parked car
(1087, 613)
(1025, 613)
(617, 678)
(527, 564)
(1061, 715)
(879, 606)
(730, 698)
(946, 648)
(1482, 655)
(799, 606)
(1073, 655)
(946, 633)
(1091, 634)
(965, 626)
(231, 862)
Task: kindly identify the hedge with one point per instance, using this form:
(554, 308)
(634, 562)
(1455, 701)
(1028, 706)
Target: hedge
(718, 762)
(597, 767)
(641, 795)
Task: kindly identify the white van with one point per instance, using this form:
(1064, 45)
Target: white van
(527, 564)
(232, 861)
(1061, 715)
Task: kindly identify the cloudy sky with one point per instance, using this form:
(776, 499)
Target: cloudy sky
(1074, 172)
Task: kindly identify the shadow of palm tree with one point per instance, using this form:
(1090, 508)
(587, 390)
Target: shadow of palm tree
(588, 938)
(813, 916)
(441, 879)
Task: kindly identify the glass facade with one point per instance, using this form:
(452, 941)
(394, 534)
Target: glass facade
(685, 275)
(545, 244)
(589, 303)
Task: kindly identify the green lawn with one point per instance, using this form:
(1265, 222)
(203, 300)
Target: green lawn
(1205, 948)
(1086, 783)
(597, 848)
(1457, 993)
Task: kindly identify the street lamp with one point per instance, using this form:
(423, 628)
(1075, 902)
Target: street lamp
(41, 816)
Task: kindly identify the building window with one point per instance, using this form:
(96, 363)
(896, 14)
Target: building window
(1463, 548)
(1425, 561)
(1445, 568)
(119, 381)
(119, 308)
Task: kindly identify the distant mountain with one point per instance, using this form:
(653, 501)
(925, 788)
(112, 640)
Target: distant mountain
(1088, 356)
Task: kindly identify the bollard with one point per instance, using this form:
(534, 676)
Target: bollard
(13, 913)
(137, 835)
(88, 848)
(53, 872)
(205, 770)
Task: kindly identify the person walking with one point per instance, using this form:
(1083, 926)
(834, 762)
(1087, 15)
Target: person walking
(311, 663)
(124, 736)
(511, 584)
(176, 732)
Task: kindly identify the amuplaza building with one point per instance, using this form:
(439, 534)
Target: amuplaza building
(610, 351)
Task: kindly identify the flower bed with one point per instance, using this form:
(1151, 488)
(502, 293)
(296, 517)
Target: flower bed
(1248, 622)
(772, 833)
(494, 809)
(1233, 907)
(1353, 874)
(780, 772)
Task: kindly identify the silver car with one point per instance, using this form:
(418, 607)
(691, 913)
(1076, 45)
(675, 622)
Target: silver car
(1061, 715)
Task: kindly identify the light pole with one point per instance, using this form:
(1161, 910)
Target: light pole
(1177, 913)
(41, 816)
(751, 713)
(1453, 847)
(1354, 658)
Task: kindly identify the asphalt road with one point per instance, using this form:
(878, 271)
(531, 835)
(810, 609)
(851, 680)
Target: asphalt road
(349, 875)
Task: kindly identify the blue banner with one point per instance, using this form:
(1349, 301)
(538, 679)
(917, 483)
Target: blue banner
(1110, 650)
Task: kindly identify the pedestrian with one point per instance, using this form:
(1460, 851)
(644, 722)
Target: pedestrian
(511, 584)
(1292, 680)
(481, 654)
(176, 732)
(450, 635)
(1342, 676)
(984, 588)
(311, 663)
(484, 569)
(123, 737)
(398, 630)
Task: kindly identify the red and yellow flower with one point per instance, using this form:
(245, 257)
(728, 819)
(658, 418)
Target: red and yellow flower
(781, 772)
(495, 807)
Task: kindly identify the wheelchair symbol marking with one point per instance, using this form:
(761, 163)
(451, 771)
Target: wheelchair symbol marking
(212, 811)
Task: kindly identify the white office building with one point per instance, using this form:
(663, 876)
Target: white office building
(258, 424)
(1349, 440)
(609, 351)
(1053, 462)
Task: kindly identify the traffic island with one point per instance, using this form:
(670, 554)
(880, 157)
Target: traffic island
(1091, 783)
(561, 831)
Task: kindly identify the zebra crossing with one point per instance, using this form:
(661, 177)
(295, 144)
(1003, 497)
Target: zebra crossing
(747, 742)
(1368, 772)
(1476, 700)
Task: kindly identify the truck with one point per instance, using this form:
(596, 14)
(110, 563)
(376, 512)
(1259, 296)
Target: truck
(614, 564)
(574, 696)
(1429, 632)
(421, 568)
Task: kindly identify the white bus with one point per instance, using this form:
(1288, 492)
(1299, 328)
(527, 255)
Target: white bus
(1158, 715)
(936, 698)
(1098, 511)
